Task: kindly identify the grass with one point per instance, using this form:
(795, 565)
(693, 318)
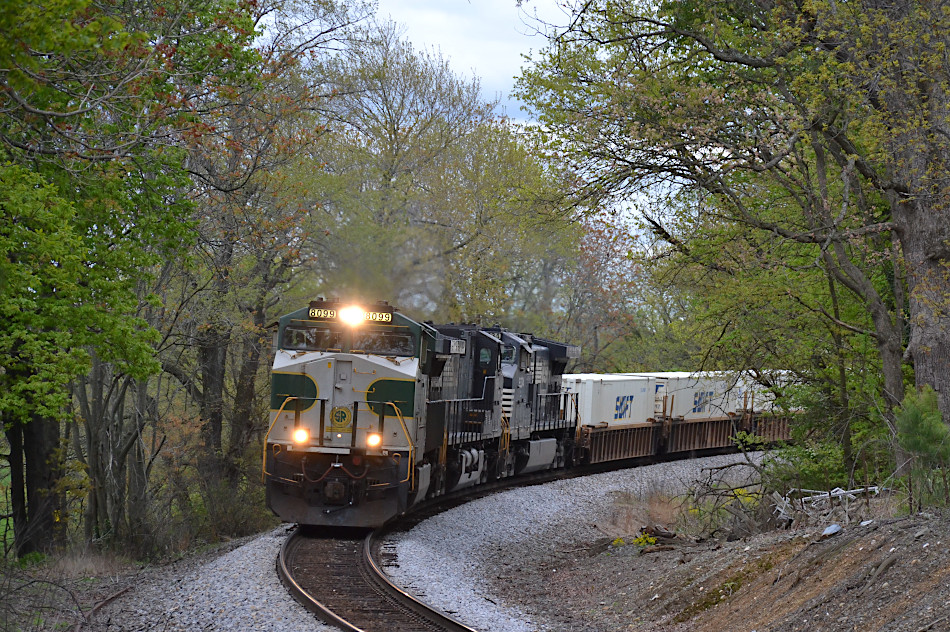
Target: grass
(726, 589)
(52, 592)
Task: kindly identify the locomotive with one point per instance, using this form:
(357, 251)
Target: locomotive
(372, 412)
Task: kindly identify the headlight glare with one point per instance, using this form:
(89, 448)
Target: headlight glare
(352, 315)
(301, 435)
(374, 440)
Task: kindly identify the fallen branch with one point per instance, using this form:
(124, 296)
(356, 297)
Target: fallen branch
(97, 607)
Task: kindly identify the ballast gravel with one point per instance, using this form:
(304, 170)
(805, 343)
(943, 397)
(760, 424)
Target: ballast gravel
(452, 561)
(237, 591)
(457, 561)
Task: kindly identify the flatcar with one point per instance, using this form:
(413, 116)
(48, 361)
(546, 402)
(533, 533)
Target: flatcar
(372, 412)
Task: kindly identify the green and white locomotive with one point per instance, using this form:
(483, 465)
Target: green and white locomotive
(372, 411)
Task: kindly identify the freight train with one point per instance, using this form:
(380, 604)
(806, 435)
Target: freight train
(372, 412)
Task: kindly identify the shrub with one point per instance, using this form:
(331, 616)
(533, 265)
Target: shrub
(922, 433)
(808, 465)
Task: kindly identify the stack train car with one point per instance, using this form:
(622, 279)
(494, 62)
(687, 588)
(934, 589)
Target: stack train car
(373, 412)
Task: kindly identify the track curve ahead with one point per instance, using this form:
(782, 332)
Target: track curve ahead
(337, 577)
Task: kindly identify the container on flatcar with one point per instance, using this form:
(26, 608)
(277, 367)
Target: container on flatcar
(611, 400)
(690, 396)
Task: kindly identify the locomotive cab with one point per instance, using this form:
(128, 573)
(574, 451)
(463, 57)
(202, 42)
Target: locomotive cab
(341, 444)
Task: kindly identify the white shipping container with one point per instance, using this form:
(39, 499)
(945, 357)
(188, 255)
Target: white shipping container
(680, 394)
(758, 399)
(612, 400)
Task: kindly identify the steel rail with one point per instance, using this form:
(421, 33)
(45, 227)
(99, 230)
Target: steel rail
(410, 601)
(304, 598)
(377, 581)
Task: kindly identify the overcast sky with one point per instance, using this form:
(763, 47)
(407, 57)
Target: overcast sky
(483, 38)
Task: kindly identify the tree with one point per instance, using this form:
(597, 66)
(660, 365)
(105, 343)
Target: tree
(399, 114)
(805, 122)
(617, 308)
(41, 273)
(430, 201)
(94, 96)
(253, 223)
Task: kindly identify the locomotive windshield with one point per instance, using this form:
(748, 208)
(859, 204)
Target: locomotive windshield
(385, 342)
(300, 338)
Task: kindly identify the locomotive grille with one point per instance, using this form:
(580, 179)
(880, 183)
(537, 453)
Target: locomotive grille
(507, 401)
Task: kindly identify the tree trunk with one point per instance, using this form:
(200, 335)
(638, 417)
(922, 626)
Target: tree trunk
(40, 449)
(138, 475)
(212, 357)
(14, 432)
(245, 419)
(923, 239)
(916, 102)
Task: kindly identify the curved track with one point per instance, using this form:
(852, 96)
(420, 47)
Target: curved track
(336, 573)
(337, 577)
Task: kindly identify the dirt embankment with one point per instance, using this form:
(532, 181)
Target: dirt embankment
(888, 574)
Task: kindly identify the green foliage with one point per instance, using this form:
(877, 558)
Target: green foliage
(756, 164)
(100, 101)
(30, 559)
(926, 438)
(809, 465)
(921, 430)
(748, 442)
(96, 201)
(91, 82)
(43, 280)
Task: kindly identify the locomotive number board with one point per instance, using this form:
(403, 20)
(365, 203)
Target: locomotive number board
(325, 313)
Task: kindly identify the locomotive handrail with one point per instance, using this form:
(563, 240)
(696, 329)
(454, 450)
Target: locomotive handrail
(505, 441)
(264, 472)
(465, 399)
(412, 446)
(405, 431)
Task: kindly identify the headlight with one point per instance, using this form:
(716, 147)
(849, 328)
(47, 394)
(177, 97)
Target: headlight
(374, 440)
(301, 435)
(352, 315)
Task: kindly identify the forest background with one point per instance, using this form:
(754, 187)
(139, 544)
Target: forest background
(737, 185)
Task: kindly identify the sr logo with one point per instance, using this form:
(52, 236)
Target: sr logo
(340, 418)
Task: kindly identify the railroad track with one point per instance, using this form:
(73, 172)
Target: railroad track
(339, 578)
(338, 575)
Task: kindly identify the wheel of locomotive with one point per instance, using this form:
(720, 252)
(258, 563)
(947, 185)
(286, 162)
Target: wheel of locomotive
(437, 484)
(506, 465)
(453, 470)
(492, 465)
(570, 454)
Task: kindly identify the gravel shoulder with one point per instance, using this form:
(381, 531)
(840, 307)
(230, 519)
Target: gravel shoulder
(233, 589)
(492, 563)
(546, 558)
(543, 559)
